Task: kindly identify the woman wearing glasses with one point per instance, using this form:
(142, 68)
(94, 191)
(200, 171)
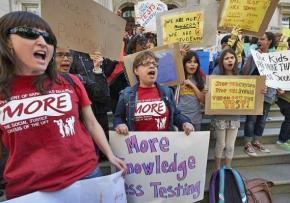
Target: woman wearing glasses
(49, 147)
(148, 106)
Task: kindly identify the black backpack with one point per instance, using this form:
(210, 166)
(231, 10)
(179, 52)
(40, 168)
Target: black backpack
(227, 186)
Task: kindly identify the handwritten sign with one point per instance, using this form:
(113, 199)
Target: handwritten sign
(234, 95)
(146, 12)
(105, 189)
(85, 26)
(191, 25)
(170, 68)
(163, 166)
(275, 66)
(184, 28)
(252, 16)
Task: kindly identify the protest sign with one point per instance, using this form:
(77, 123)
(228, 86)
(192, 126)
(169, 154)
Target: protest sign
(204, 60)
(275, 66)
(146, 12)
(165, 167)
(84, 26)
(234, 95)
(191, 25)
(286, 33)
(170, 68)
(105, 189)
(252, 16)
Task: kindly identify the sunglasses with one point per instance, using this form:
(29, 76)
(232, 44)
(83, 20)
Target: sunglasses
(32, 33)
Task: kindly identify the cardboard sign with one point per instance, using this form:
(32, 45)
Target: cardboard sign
(84, 26)
(170, 68)
(275, 66)
(105, 189)
(234, 95)
(252, 16)
(146, 12)
(192, 25)
(165, 167)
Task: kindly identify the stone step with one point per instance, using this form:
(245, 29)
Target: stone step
(277, 156)
(272, 122)
(281, 198)
(270, 136)
(278, 174)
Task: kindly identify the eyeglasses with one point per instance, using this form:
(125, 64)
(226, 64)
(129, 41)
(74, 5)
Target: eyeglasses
(64, 54)
(32, 33)
(148, 63)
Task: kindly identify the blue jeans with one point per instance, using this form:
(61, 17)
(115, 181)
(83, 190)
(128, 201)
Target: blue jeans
(284, 106)
(96, 173)
(255, 124)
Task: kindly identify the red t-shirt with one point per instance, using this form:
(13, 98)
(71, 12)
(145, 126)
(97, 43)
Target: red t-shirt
(49, 147)
(151, 113)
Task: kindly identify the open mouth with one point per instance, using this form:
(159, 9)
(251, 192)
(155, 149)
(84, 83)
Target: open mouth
(40, 55)
(152, 72)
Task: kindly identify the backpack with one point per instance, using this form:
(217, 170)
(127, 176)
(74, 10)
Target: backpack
(227, 186)
(259, 190)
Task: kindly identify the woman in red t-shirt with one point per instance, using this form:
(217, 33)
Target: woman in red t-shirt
(49, 146)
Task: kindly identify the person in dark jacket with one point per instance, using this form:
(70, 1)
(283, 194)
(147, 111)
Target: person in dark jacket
(148, 106)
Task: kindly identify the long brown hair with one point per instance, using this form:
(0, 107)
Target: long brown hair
(7, 57)
(221, 62)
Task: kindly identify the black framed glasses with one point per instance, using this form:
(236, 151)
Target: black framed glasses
(64, 54)
(31, 33)
(149, 63)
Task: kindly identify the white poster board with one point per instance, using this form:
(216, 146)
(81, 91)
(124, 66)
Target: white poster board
(165, 167)
(146, 11)
(85, 26)
(275, 66)
(105, 189)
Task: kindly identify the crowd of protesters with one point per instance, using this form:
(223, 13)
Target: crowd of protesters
(72, 142)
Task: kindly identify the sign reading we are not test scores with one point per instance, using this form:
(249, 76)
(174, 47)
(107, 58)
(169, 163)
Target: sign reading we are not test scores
(165, 167)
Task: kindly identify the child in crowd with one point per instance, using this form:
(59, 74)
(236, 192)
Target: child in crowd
(132, 112)
(191, 96)
(225, 126)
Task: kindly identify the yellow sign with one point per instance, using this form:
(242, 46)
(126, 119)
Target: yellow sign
(286, 32)
(247, 14)
(235, 94)
(183, 28)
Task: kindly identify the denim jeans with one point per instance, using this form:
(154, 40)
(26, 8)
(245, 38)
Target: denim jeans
(255, 124)
(284, 106)
(96, 173)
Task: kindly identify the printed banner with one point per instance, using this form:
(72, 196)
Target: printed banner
(191, 25)
(85, 26)
(146, 12)
(170, 68)
(252, 16)
(275, 66)
(105, 189)
(165, 167)
(234, 95)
